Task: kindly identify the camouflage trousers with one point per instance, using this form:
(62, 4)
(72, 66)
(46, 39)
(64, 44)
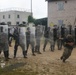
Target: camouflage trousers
(46, 40)
(67, 52)
(37, 47)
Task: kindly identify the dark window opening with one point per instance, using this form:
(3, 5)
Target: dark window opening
(3, 16)
(18, 16)
(17, 23)
(65, 1)
(1, 29)
(9, 23)
(8, 16)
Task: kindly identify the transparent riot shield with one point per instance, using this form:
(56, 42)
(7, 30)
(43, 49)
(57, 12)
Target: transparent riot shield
(32, 39)
(42, 29)
(22, 37)
(32, 34)
(38, 34)
(4, 37)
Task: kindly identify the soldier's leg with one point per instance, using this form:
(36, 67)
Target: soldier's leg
(15, 49)
(32, 46)
(36, 47)
(39, 47)
(28, 43)
(23, 50)
(65, 54)
(45, 43)
(59, 43)
(6, 51)
(52, 46)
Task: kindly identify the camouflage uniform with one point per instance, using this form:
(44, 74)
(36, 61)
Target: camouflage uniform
(67, 48)
(46, 35)
(4, 44)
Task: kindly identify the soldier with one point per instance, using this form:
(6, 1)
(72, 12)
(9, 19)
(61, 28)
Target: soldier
(38, 35)
(19, 41)
(60, 36)
(4, 41)
(46, 35)
(29, 41)
(68, 47)
(53, 36)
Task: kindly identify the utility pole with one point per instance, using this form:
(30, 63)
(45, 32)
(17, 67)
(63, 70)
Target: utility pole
(31, 8)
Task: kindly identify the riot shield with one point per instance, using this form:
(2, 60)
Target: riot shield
(32, 34)
(38, 35)
(4, 37)
(22, 37)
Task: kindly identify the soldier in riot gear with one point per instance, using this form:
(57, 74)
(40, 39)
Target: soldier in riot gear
(46, 35)
(16, 38)
(38, 35)
(29, 41)
(53, 33)
(60, 37)
(4, 41)
(19, 42)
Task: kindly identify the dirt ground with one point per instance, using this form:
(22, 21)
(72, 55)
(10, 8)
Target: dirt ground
(47, 63)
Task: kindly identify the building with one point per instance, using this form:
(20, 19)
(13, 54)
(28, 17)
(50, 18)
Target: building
(61, 12)
(14, 17)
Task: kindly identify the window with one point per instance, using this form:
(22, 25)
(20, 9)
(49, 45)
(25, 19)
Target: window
(17, 23)
(3, 16)
(18, 16)
(8, 16)
(60, 6)
(9, 23)
(65, 1)
(1, 29)
(23, 22)
(60, 22)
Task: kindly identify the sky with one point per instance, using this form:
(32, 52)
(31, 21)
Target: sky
(39, 7)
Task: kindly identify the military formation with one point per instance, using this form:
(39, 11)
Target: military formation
(60, 36)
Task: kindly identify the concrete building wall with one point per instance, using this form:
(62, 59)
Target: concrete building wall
(23, 17)
(67, 14)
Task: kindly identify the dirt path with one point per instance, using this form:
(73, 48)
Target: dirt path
(47, 63)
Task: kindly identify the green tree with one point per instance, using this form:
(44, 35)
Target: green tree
(30, 19)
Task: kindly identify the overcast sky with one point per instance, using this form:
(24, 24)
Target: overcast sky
(39, 7)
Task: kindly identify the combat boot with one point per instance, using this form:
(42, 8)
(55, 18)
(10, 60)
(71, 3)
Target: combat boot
(24, 53)
(15, 52)
(6, 55)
